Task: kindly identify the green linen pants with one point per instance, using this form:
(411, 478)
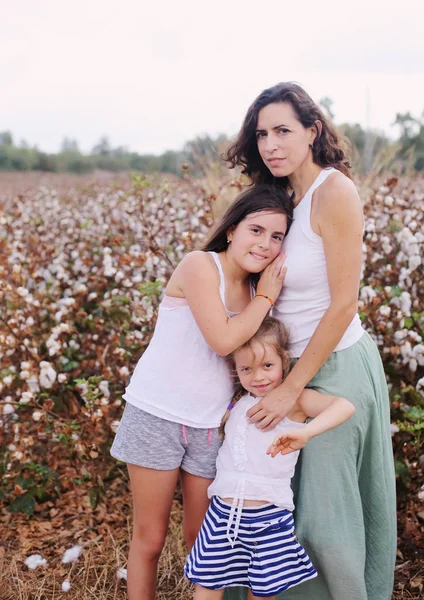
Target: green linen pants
(345, 488)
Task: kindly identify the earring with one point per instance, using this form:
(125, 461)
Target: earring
(228, 240)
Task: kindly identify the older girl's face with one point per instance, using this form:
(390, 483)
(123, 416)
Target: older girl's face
(283, 143)
(257, 240)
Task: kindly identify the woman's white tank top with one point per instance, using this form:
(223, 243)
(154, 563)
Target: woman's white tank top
(179, 377)
(305, 295)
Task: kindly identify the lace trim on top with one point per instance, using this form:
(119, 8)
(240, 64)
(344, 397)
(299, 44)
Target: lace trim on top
(239, 445)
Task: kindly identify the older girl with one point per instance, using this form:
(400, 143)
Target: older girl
(181, 384)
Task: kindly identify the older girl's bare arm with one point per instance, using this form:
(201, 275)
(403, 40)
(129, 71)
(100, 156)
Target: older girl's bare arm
(198, 280)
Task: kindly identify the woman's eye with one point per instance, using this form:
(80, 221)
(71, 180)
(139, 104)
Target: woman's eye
(260, 134)
(283, 130)
(255, 230)
(268, 365)
(279, 238)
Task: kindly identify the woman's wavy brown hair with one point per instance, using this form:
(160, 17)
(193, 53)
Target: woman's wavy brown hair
(271, 333)
(328, 150)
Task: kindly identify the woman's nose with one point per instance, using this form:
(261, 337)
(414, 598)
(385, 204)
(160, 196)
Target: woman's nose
(270, 143)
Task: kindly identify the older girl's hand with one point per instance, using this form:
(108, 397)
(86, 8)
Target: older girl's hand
(273, 407)
(272, 277)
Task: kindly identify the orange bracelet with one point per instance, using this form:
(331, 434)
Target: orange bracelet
(271, 301)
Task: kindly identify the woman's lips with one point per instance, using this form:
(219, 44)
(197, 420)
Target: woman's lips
(275, 162)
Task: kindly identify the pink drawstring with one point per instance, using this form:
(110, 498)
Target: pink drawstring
(184, 430)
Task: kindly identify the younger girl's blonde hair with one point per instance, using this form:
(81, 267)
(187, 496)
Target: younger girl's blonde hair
(271, 333)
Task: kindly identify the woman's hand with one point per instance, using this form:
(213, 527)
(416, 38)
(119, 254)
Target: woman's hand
(273, 407)
(272, 277)
(288, 442)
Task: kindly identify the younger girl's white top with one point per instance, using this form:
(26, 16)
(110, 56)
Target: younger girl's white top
(305, 295)
(179, 377)
(243, 469)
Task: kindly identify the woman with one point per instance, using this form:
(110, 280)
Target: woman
(346, 510)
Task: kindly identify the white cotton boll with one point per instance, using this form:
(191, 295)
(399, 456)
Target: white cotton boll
(121, 573)
(66, 585)
(72, 554)
(388, 201)
(34, 561)
(8, 409)
(400, 335)
(36, 415)
(394, 428)
(26, 397)
(104, 387)
(61, 378)
(367, 293)
(32, 383)
(114, 426)
(47, 375)
(414, 262)
(385, 311)
(421, 495)
(405, 303)
(413, 365)
(418, 352)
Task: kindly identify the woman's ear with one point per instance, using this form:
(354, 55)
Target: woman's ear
(316, 131)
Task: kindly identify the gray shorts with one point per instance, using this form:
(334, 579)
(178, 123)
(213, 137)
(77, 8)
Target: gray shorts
(148, 441)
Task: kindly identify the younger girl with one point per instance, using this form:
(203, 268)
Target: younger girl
(181, 384)
(247, 537)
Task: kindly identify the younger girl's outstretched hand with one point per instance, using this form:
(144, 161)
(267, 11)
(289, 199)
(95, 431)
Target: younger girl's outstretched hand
(288, 442)
(272, 277)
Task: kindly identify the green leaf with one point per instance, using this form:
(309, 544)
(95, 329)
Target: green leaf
(150, 288)
(70, 366)
(120, 300)
(24, 504)
(402, 471)
(93, 494)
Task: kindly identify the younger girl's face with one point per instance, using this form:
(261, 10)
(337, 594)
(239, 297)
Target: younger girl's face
(259, 368)
(257, 240)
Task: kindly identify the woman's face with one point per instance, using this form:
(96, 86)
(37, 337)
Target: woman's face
(283, 143)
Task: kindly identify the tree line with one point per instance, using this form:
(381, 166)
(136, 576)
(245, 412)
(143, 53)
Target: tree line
(369, 148)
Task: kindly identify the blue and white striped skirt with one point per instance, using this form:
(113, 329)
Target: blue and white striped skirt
(265, 555)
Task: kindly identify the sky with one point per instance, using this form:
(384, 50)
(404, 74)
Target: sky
(151, 75)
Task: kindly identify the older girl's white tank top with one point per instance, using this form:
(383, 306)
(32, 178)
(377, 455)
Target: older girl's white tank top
(305, 295)
(179, 377)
